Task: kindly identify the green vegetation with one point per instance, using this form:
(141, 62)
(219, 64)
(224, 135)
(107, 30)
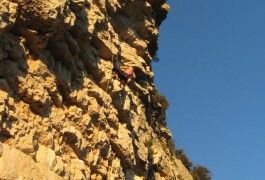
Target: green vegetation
(155, 58)
(158, 107)
(171, 146)
(180, 177)
(149, 144)
(200, 173)
(184, 158)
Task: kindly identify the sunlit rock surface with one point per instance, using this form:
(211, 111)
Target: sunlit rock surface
(62, 115)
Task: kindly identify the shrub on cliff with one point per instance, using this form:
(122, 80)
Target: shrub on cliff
(155, 58)
(184, 158)
(200, 173)
(159, 106)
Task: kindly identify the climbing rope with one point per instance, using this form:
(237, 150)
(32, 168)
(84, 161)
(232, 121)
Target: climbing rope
(107, 88)
(108, 107)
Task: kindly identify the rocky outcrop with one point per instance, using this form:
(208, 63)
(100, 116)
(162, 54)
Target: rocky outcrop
(62, 116)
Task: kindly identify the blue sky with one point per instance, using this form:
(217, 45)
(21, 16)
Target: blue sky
(212, 70)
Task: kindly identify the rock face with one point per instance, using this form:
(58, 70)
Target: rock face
(62, 116)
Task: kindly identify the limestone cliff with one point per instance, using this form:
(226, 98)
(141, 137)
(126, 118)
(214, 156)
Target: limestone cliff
(62, 115)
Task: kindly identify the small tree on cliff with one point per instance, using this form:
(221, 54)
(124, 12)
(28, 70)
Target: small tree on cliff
(200, 173)
(159, 107)
(184, 158)
(155, 58)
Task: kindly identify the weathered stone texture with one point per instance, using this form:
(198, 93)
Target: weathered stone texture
(62, 116)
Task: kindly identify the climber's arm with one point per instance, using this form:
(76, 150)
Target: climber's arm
(124, 67)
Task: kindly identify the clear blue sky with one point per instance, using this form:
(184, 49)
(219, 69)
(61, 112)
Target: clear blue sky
(212, 70)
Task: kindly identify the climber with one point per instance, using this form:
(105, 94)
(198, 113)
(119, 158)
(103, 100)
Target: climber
(123, 73)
